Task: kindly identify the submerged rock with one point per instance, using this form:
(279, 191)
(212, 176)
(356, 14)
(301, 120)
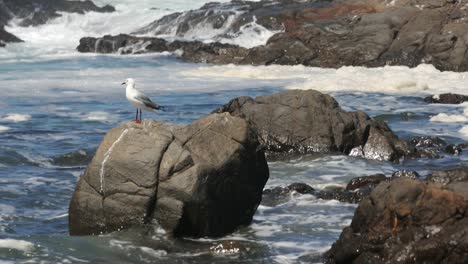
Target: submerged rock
(201, 179)
(307, 121)
(447, 98)
(76, 158)
(405, 221)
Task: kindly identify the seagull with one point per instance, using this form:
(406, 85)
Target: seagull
(138, 99)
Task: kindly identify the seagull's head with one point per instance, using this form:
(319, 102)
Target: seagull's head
(129, 81)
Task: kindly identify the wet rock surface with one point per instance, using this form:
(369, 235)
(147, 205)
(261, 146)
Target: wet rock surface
(279, 195)
(201, 179)
(299, 122)
(409, 221)
(365, 181)
(406, 174)
(38, 12)
(334, 33)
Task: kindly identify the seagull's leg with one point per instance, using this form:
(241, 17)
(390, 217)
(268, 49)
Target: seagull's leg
(136, 116)
(140, 114)
(138, 120)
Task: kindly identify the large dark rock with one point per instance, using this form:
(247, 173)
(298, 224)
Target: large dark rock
(306, 121)
(201, 179)
(193, 51)
(447, 98)
(406, 221)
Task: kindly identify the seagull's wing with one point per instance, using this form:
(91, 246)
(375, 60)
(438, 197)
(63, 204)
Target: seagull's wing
(147, 101)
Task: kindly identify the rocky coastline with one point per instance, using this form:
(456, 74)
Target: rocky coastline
(193, 175)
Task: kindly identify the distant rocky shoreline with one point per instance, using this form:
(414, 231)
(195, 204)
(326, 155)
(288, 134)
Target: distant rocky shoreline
(332, 34)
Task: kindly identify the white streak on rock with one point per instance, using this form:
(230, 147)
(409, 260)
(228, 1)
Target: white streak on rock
(106, 158)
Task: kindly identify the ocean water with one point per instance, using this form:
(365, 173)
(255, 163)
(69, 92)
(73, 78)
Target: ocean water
(55, 101)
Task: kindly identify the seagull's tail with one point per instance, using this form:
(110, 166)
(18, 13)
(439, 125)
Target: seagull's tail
(158, 107)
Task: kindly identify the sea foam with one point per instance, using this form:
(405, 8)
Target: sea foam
(16, 117)
(16, 244)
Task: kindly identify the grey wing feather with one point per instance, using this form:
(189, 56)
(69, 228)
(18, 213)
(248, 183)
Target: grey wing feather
(147, 101)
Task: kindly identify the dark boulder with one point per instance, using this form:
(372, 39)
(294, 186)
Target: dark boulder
(447, 98)
(122, 44)
(405, 221)
(306, 121)
(201, 179)
(193, 51)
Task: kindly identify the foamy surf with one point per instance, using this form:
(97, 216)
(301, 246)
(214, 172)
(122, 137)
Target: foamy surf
(15, 244)
(423, 79)
(4, 129)
(12, 117)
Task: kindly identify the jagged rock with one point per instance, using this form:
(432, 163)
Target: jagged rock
(447, 98)
(226, 19)
(365, 181)
(405, 221)
(123, 44)
(6, 37)
(427, 142)
(201, 179)
(453, 149)
(406, 174)
(298, 122)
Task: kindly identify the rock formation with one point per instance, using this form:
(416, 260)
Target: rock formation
(298, 122)
(201, 179)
